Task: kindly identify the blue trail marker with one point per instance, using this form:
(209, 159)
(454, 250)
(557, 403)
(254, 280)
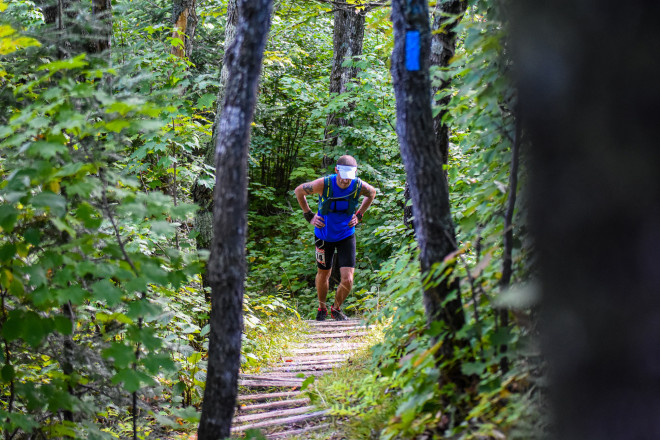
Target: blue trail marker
(412, 51)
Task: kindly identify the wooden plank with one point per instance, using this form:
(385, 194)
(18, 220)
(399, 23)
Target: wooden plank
(319, 358)
(337, 335)
(326, 345)
(282, 421)
(339, 329)
(262, 377)
(293, 374)
(267, 396)
(306, 367)
(324, 350)
(273, 414)
(276, 404)
(292, 432)
(269, 383)
(314, 322)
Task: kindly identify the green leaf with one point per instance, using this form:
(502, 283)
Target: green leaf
(131, 379)
(307, 382)
(470, 368)
(120, 353)
(105, 290)
(71, 63)
(63, 325)
(143, 308)
(146, 336)
(117, 125)
(89, 216)
(75, 294)
(156, 362)
(45, 149)
(8, 217)
(254, 434)
(32, 236)
(7, 373)
(7, 252)
(13, 327)
(49, 200)
(206, 100)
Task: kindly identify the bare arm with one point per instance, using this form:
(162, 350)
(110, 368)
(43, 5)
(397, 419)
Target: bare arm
(369, 193)
(307, 189)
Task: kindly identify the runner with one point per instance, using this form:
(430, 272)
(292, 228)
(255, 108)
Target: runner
(334, 229)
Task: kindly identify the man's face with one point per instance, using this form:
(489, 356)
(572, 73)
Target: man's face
(341, 182)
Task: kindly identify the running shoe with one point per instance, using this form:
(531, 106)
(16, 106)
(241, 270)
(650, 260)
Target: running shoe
(321, 314)
(337, 314)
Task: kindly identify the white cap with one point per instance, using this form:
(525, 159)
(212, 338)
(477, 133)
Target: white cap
(346, 171)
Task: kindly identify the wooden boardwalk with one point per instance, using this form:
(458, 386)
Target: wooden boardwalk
(282, 410)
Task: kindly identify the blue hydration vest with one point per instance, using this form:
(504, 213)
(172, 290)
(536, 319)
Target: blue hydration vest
(336, 207)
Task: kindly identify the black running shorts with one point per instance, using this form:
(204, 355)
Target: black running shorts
(325, 250)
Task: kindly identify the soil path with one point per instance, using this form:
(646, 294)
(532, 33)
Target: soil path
(282, 410)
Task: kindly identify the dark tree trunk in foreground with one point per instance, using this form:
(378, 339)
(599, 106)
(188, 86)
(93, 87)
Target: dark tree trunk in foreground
(202, 195)
(423, 161)
(348, 39)
(184, 19)
(446, 16)
(226, 267)
(589, 91)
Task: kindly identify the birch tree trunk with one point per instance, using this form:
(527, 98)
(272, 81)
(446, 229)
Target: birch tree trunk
(226, 267)
(423, 162)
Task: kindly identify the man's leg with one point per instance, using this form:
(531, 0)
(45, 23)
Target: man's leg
(345, 286)
(322, 282)
(346, 260)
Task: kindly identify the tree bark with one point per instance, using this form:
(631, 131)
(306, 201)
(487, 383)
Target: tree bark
(588, 85)
(184, 19)
(227, 266)
(348, 39)
(446, 16)
(102, 11)
(423, 161)
(507, 242)
(202, 195)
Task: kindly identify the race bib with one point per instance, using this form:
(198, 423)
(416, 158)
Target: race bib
(320, 256)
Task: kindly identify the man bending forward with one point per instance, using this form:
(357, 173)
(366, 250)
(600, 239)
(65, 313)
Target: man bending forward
(334, 229)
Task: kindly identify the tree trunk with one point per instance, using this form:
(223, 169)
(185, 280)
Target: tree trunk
(422, 159)
(202, 195)
(102, 11)
(348, 39)
(507, 242)
(588, 81)
(184, 19)
(226, 267)
(446, 16)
